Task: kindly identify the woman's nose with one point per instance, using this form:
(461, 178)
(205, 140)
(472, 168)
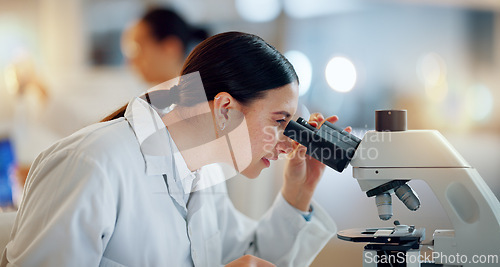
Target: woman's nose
(284, 145)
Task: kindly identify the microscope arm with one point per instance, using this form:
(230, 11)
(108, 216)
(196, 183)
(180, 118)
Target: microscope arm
(471, 206)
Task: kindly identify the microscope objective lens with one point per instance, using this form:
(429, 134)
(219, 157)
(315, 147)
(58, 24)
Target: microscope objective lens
(384, 206)
(408, 197)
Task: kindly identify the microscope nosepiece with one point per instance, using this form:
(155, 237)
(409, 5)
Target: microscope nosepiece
(408, 197)
(384, 206)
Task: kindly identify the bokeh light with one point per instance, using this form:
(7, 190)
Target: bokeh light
(11, 80)
(479, 103)
(258, 10)
(341, 74)
(303, 67)
(431, 71)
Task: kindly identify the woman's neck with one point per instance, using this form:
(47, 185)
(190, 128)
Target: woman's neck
(194, 133)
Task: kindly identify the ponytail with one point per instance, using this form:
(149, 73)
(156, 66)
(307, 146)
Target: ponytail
(160, 99)
(115, 115)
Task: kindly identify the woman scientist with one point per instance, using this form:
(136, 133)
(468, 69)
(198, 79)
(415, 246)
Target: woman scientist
(146, 189)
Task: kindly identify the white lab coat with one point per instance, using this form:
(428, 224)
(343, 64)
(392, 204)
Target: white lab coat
(100, 198)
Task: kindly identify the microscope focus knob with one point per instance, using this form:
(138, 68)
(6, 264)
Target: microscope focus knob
(390, 120)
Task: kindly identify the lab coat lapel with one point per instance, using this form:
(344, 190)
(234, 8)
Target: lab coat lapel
(173, 182)
(155, 146)
(202, 220)
(176, 194)
(151, 134)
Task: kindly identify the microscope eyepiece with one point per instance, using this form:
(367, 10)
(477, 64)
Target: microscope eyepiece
(329, 144)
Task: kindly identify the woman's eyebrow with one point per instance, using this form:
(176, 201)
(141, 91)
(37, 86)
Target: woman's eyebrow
(287, 115)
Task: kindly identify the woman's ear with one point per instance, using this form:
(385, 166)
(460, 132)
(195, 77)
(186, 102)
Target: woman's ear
(223, 102)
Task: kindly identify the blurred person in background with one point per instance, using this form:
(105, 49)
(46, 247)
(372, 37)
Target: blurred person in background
(157, 44)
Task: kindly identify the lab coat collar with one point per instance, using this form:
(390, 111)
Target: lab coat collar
(187, 176)
(159, 150)
(157, 146)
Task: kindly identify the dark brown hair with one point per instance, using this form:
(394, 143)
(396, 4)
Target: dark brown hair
(241, 64)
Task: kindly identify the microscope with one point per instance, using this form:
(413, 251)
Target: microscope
(383, 162)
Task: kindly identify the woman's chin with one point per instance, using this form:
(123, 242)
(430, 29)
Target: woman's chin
(252, 172)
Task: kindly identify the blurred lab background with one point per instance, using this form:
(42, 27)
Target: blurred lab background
(61, 68)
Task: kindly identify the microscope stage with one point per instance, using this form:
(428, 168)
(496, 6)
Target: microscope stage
(382, 235)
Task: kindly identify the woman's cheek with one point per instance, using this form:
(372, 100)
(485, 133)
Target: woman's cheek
(269, 148)
(269, 134)
(270, 145)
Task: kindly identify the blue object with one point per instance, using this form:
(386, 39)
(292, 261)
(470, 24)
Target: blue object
(7, 166)
(310, 214)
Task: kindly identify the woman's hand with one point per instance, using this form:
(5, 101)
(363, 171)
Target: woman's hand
(302, 172)
(250, 261)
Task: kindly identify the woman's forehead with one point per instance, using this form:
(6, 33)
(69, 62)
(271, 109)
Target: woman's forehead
(280, 100)
(284, 98)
